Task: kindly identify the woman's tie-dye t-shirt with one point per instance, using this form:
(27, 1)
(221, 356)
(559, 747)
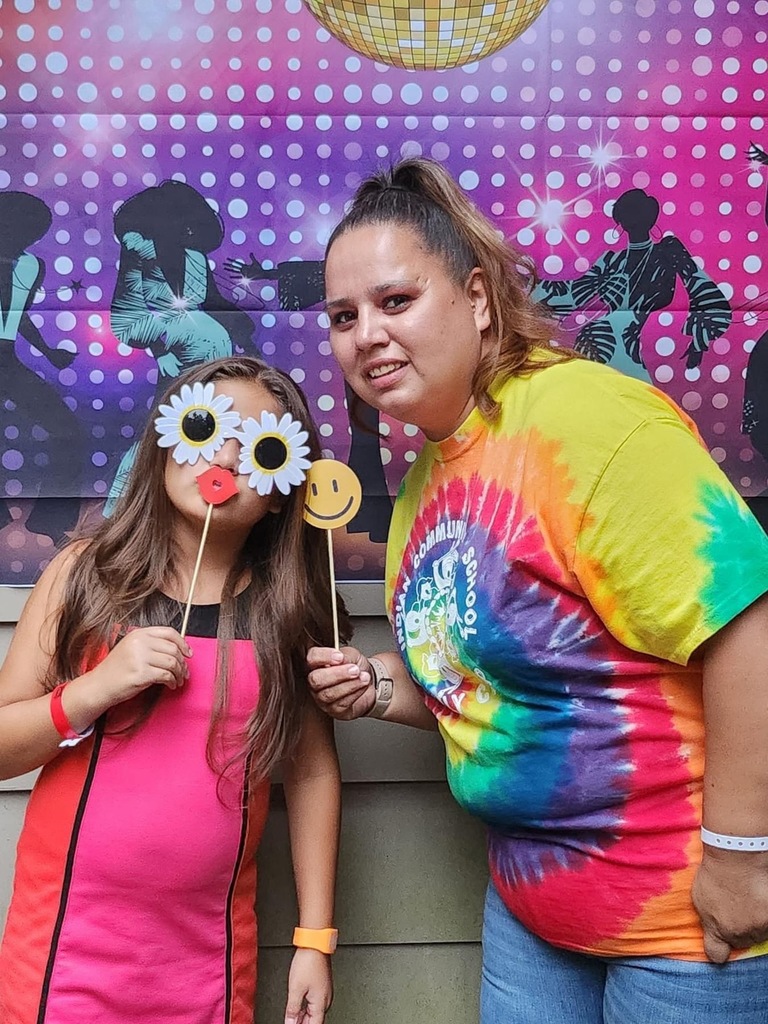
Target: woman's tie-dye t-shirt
(549, 578)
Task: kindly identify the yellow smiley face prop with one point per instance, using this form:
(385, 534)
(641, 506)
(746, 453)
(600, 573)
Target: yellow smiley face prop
(333, 494)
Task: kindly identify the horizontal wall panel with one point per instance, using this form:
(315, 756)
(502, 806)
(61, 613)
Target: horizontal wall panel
(412, 868)
(385, 984)
(12, 807)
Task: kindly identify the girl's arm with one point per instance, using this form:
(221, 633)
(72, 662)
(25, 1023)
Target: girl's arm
(342, 684)
(28, 738)
(731, 888)
(312, 786)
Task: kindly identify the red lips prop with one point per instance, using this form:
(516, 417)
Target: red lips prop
(217, 485)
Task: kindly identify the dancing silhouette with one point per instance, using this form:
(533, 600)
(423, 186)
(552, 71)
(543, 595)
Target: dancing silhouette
(42, 456)
(166, 299)
(632, 283)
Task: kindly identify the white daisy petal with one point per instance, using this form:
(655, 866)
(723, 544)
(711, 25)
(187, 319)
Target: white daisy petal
(182, 453)
(264, 484)
(293, 475)
(221, 403)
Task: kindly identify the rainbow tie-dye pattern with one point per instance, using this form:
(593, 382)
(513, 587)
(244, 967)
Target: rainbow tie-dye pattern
(549, 578)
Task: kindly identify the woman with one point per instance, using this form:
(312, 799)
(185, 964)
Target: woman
(576, 592)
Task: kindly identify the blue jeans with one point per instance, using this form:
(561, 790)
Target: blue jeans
(528, 981)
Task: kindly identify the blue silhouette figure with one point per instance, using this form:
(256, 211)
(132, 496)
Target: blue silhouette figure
(166, 299)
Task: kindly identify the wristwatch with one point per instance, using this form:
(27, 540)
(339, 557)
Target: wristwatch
(384, 686)
(324, 940)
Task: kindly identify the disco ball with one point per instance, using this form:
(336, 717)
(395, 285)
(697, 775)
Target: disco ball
(426, 36)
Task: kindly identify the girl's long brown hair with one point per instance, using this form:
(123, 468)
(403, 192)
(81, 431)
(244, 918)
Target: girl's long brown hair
(419, 194)
(118, 579)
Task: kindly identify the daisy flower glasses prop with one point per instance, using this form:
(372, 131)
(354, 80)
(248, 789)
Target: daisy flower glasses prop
(333, 498)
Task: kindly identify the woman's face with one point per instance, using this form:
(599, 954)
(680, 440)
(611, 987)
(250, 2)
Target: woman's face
(406, 336)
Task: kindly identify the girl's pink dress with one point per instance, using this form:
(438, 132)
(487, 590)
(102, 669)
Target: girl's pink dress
(133, 899)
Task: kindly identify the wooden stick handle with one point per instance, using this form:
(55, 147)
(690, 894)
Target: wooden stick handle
(333, 591)
(195, 574)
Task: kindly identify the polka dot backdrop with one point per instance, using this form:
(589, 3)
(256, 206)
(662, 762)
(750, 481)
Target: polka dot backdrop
(274, 122)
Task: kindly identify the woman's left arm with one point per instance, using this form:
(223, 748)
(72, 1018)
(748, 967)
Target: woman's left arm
(312, 786)
(731, 887)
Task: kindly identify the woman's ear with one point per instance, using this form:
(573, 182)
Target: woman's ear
(478, 299)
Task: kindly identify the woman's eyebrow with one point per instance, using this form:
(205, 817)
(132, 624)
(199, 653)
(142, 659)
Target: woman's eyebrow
(374, 292)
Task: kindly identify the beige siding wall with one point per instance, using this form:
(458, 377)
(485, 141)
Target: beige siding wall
(411, 877)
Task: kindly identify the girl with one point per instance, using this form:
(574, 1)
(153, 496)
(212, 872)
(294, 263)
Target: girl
(135, 877)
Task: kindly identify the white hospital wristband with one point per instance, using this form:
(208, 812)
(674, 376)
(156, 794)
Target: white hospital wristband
(747, 844)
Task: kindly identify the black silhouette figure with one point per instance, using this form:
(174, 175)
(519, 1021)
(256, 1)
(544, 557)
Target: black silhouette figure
(42, 437)
(166, 299)
(754, 421)
(633, 282)
(301, 285)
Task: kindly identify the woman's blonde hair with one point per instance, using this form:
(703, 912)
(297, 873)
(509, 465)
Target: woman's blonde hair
(420, 195)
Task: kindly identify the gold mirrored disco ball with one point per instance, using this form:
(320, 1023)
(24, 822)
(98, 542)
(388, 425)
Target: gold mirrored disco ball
(426, 36)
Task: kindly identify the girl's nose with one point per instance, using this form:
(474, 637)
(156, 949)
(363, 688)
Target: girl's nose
(228, 456)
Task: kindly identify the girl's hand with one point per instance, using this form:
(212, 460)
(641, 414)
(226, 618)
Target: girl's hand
(341, 682)
(153, 654)
(310, 987)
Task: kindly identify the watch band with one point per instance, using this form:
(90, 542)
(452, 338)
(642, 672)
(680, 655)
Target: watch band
(324, 940)
(383, 685)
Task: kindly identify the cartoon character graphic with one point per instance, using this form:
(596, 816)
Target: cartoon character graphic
(754, 422)
(434, 608)
(166, 299)
(630, 284)
(41, 434)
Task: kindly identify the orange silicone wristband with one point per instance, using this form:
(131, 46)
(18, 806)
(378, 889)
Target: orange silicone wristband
(324, 940)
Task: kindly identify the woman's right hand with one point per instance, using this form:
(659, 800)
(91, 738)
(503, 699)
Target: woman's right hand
(145, 656)
(341, 682)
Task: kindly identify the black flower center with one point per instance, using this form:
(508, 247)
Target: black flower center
(198, 425)
(270, 453)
